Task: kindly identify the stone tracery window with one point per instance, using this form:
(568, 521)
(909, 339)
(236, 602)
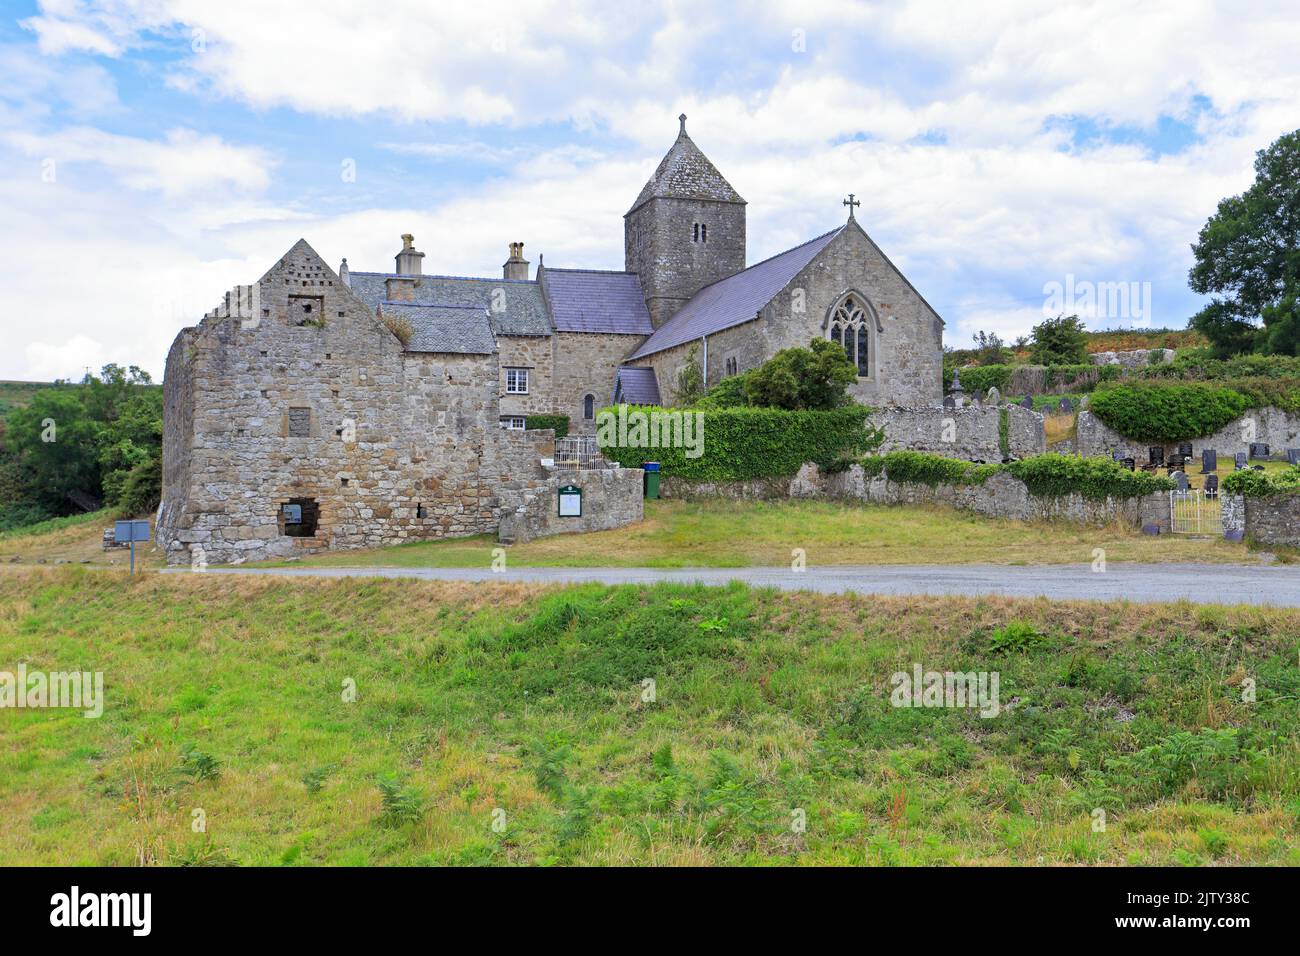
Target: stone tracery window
(850, 328)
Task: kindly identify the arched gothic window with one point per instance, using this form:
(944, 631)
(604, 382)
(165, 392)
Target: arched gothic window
(850, 327)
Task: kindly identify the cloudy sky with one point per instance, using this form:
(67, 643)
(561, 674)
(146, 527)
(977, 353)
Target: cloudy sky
(159, 152)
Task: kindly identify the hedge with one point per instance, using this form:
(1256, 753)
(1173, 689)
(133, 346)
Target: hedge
(1260, 484)
(1167, 411)
(559, 422)
(1046, 476)
(741, 443)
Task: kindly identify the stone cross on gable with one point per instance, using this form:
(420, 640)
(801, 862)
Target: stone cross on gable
(850, 202)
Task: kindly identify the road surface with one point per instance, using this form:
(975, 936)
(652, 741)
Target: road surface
(1144, 583)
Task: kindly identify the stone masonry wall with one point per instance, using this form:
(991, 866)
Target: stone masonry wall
(611, 498)
(1274, 519)
(1001, 496)
(968, 433)
(907, 357)
(659, 246)
(326, 408)
(585, 363)
(532, 352)
(1277, 428)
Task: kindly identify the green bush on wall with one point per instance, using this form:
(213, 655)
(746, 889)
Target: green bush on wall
(1260, 484)
(559, 422)
(1046, 476)
(1168, 411)
(740, 443)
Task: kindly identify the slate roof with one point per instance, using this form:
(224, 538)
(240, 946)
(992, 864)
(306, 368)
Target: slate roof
(639, 385)
(456, 329)
(525, 308)
(735, 299)
(686, 173)
(587, 300)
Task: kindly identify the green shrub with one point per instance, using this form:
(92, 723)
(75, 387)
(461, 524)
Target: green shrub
(1260, 484)
(740, 443)
(1047, 476)
(559, 422)
(978, 379)
(1051, 476)
(1167, 411)
(401, 805)
(1059, 341)
(922, 468)
(815, 378)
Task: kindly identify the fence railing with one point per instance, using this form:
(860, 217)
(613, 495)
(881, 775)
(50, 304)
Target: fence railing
(578, 451)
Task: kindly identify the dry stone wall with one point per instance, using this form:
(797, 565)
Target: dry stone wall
(969, 433)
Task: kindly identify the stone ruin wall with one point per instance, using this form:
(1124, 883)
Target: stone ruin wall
(395, 446)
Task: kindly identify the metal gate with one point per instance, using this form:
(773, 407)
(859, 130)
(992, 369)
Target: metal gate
(1195, 512)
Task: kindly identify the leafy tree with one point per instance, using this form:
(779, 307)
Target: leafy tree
(990, 349)
(814, 378)
(690, 379)
(1248, 259)
(1059, 341)
(102, 438)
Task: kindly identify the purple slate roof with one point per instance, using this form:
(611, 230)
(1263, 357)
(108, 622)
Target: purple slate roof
(584, 300)
(636, 386)
(735, 299)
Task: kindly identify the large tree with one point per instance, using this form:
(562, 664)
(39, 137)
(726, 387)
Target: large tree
(1248, 259)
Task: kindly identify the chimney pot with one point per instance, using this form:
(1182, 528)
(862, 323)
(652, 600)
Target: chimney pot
(408, 260)
(516, 267)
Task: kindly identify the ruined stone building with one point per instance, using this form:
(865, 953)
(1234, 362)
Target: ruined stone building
(374, 407)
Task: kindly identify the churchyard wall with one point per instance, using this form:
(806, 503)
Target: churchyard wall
(611, 498)
(1278, 429)
(1273, 519)
(969, 433)
(1001, 496)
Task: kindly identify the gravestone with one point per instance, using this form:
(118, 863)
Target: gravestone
(1151, 529)
(1293, 456)
(1236, 534)
(1130, 464)
(1211, 486)
(1259, 449)
(1065, 407)
(1156, 455)
(994, 397)
(1185, 449)
(975, 403)
(1240, 462)
(949, 402)
(1209, 460)
(1028, 402)
(1180, 479)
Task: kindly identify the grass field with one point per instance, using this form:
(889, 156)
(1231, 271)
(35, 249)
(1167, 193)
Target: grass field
(743, 534)
(513, 725)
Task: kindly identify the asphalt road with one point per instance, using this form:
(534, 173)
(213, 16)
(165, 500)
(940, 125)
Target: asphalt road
(1142, 583)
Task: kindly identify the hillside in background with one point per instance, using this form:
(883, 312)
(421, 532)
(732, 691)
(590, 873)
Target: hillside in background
(19, 395)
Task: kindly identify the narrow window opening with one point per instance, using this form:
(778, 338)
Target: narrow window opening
(419, 510)
(704, 233)
(695, 235)
(589, 407)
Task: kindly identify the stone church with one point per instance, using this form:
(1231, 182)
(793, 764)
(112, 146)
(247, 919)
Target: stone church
(374, 407)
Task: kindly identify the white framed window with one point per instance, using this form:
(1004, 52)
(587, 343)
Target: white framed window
(515, 423)
(516, 381)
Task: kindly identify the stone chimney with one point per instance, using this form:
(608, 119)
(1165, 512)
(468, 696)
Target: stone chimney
(408, 260)
(516, 267)
(343, 273)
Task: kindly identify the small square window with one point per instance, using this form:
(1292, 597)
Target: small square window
(516, 381)
(514, 423)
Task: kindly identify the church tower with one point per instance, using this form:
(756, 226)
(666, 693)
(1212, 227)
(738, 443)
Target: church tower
(685, 230)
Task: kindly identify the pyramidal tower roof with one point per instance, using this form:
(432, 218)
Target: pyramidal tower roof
(686, 173)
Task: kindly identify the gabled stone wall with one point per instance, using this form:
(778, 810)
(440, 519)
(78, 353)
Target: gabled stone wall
(324, 407)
